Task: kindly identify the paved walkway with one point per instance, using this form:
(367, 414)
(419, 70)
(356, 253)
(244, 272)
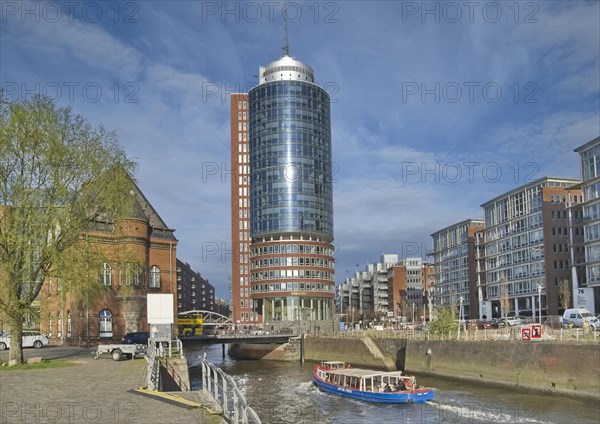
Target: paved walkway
(90, 391)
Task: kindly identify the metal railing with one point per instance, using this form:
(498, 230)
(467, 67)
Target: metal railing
(565, 335)
(154, 354)
(152, 358)
(226, 394)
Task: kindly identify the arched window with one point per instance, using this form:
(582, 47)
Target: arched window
(154, 277)
(106, 324)
(105, 275)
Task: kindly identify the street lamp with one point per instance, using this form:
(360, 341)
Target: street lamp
(539, 289)
(459, 317)
(413, 312)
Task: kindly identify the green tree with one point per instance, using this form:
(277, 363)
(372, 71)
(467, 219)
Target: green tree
(444, 321)
(58, 175)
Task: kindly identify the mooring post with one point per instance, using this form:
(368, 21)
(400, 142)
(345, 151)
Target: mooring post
(302, 348)
(223, 348)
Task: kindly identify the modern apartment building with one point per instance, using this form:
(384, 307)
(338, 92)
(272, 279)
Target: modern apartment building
(454, 267)
(408, 289)
(590, 186)
(367, 292)
(527, 249)
(282, 203)
(244, 310)
(193, 291)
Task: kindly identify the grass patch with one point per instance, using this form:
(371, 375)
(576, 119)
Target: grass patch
(46, 363)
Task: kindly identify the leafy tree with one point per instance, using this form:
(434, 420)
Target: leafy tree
(444, 321)
(58, 175)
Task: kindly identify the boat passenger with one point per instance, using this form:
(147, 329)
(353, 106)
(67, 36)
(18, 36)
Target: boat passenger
(402, 385)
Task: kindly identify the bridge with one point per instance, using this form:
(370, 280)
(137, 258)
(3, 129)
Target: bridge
(217, 328)
(208, 317)
(236, 338)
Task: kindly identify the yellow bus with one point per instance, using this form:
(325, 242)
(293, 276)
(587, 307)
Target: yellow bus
(189, 325)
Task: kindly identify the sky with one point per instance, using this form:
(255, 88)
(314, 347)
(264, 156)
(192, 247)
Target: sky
(437, 107)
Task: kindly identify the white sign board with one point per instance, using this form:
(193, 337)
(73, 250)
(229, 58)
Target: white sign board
(584, 298)
(485, 310)
(160, 309)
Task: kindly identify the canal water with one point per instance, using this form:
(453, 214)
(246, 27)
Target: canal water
(282, 392)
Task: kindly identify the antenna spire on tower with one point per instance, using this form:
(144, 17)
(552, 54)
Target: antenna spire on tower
(286, 45)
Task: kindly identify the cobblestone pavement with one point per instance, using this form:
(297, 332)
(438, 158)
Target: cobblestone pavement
(89, 391)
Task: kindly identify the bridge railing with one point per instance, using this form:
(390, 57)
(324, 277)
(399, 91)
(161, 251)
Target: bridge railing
(226, 394)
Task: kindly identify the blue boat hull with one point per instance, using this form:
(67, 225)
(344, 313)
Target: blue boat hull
(412, 396)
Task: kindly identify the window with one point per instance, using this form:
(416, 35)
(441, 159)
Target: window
(106, 327)
(69, 324)
(105, 276)
(59, 328)
(132, 274)
(154, 277)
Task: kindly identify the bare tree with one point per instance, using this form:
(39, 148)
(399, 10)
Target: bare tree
(564, 292)
(505, 301)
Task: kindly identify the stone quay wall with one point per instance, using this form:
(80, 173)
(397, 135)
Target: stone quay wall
(560, 368)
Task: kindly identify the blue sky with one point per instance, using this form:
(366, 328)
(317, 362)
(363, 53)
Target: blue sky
(436, 106)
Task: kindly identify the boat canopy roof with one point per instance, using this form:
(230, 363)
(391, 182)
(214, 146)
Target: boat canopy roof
(362, 373)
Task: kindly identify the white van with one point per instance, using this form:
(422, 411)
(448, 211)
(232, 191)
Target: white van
(577, 316)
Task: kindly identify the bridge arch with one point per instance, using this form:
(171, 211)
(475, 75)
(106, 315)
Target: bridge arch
(208, 317)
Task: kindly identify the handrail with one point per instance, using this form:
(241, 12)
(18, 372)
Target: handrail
(154, 355)
(226, 394)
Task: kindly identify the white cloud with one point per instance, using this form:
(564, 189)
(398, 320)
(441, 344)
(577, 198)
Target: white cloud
(183, 68)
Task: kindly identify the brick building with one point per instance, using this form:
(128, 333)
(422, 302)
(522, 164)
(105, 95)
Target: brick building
(529, 245)
(408, 289)
(194, 292)
(138, 258)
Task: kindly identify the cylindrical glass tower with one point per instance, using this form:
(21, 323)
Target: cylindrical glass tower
(291, 205)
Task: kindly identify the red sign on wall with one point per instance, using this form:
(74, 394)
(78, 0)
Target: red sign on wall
(526, 334)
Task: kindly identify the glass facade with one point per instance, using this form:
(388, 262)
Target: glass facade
(290, 160)
(590, 174)
(292, 308)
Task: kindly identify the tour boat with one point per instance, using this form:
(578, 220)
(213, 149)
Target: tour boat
(341, 379)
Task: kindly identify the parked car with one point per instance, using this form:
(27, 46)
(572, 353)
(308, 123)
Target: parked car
(485, 325)
(28, 339)
(577, 316)
(595, 324)
(422, 326)
(554, 322)
(509, 321)
(139, 337)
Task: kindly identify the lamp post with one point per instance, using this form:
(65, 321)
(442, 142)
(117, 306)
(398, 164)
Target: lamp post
(539, 289)
(459, 317)
(413, 312)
